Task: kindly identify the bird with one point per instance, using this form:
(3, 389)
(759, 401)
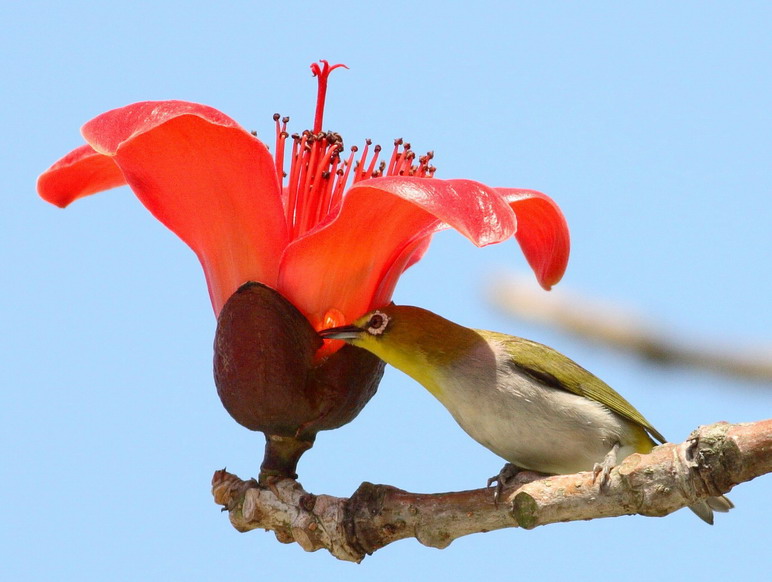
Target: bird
(526, 402)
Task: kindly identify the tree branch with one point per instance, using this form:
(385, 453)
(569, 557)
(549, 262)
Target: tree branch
(710, 462)
(620, 329)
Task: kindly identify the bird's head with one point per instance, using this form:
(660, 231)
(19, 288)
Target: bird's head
(414, 340)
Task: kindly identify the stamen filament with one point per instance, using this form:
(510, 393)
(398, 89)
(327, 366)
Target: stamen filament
(376, 151)
(294, 180)
(359, 173)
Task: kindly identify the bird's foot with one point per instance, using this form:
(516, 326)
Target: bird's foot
(501, 480)
(509, 475)
(604, 469)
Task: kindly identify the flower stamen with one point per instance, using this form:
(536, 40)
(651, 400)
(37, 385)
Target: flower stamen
(317, 176)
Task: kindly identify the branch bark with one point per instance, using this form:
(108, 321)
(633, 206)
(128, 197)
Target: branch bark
(620, 329)
(710, 462)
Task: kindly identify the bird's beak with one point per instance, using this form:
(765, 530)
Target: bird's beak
(344, 332)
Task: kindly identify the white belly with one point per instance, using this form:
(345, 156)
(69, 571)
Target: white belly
(534, 426)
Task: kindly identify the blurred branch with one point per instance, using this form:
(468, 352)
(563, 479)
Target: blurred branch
(610, 325)
(710, 462)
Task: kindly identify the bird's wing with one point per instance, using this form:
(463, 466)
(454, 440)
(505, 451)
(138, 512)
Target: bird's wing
(531, 358)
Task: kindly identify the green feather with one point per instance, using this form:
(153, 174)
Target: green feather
(554, 369)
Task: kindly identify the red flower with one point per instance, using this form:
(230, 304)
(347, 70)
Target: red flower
(333, 254)
(323, 255)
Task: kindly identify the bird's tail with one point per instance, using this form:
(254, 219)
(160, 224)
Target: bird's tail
(704, 508)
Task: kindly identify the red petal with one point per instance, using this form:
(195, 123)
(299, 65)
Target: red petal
(411, 254)
(80, 173)
(107, 132)
(205, 178)
(347, 263)
(542, 232)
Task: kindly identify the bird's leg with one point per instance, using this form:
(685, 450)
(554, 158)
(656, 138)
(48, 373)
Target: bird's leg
(507, 475)
(604, 469)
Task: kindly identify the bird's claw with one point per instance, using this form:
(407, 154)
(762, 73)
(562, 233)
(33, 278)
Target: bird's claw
(504, 478)
(603, 469)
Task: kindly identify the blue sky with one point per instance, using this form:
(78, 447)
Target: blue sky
(650, 126)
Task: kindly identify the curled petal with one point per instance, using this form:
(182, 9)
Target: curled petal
(107, 132)
(81, 172)
(207, 179)
(382, 227)
(542, 232)
(410, 255)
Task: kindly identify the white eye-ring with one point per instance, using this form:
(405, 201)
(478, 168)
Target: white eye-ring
(377, 323)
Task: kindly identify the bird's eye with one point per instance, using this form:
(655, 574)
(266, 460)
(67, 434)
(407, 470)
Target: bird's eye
(377, 323)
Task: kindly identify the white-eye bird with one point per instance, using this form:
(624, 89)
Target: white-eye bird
(524, 401)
